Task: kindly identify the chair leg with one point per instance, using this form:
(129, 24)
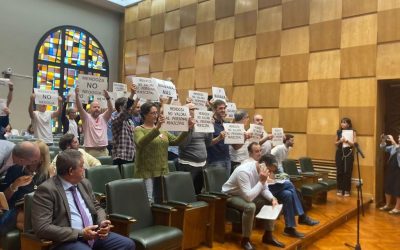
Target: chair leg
(307, 202)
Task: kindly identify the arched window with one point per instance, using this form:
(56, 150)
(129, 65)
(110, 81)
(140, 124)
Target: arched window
(62, 54)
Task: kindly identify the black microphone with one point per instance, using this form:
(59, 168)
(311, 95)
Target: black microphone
(359, 150)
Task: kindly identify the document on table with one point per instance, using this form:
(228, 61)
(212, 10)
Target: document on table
(269, 212)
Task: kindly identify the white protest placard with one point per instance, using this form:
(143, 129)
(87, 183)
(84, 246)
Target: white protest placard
(165, 88)
(46, 97)
(92, 85)
(204, 121)
(102, 100)
(82, 97)
(269, 212)
(199, 99)
(3, 105)
(230, 110)
(4, 82)
(176, 118)
(121, 87)
(145, 89)
(257, 132)
(349, 136)
(277, 136)
(234, 133)
(218, 93)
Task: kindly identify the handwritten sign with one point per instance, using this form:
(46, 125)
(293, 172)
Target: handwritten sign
(165, 88)
(348, 134)
(46, 97)
(82, 97)
(277, 136)
(257, 132)
(101, 100)
(218, 93)
(145, 89)
(92, 85)
(4, 81)
(176, 118)
(204, 121)
(3, 105)
(199, 99)
(234, 133)
(121, 87)
(230, 110)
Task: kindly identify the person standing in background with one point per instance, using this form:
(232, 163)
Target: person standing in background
(5, 120)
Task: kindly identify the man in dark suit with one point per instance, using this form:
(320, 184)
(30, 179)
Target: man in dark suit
(65, 211)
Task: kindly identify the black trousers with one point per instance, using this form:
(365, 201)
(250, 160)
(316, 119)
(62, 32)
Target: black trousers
(344, 168)
(197, 176)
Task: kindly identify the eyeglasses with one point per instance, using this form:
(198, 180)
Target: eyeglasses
(153, 113)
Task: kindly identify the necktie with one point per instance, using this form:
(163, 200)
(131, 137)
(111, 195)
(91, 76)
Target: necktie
(85, 218)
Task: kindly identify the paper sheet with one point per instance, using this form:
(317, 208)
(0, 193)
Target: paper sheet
(269, 213)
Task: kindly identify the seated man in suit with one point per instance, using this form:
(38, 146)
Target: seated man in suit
(65, 211)
(249, 189)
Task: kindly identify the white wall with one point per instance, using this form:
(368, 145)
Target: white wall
(24, 22)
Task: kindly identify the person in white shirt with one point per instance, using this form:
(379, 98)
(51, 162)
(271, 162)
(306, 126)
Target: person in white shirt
(41, 120)
(249, 189)
(281, 152)
(266, 140)
(238, 152)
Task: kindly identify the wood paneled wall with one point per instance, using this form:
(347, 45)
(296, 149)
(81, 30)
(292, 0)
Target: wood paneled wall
(303, 64)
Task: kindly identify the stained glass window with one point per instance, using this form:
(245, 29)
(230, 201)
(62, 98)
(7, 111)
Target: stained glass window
(62, 54)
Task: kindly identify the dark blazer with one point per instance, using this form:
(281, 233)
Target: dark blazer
(51, 217)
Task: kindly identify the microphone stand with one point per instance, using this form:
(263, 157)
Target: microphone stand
(360, 206)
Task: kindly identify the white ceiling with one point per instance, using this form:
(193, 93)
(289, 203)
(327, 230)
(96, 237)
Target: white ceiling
(113, 5)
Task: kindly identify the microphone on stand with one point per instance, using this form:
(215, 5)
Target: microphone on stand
(359, 149)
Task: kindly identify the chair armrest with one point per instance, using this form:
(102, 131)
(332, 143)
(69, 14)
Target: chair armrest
(221, 195)
(310, 174)
(162, 208)
(179, 204)
(162, 214)
(122, 223)
(122, 218)
(207, 197)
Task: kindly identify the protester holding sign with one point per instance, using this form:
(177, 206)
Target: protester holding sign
(95, 125)
(238, 152)
(5, 111)
(266, 140)
(69, 119)
(281, 151)
(41, 120)
(151, 161)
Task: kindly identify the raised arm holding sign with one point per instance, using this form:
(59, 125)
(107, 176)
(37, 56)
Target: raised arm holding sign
(92, 85)
(146, 89)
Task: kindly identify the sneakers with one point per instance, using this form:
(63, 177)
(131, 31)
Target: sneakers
(385, 208)
(394, 211)
(346, 194)
(339, 193)
(306, 220)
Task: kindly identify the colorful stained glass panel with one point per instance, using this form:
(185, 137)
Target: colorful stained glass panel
(49, 76)
(96, 56)
(50, 50)
(75, 47)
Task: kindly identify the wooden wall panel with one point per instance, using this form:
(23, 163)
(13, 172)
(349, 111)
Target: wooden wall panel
(269, 44)
(245, 6)
(206, 11)
(130, 31)
(158, 75)
(183, 94)
(171, 60)
(187, 57)
(130, 65)
(144, 9)
(171, 74)
(171, 5)
(389, 26)
(358, 31)
(223, 75)
(268, 3)
(388, 4)
(157, 23)
(324, 65)
(325, 10)
(172, 20)
(188, 15)
(300, 146)
(269, 19)
(325, 35)
(156, 62)
(223, 51)
(293, 95)
(354, 8)
(243, 101)
(323, 93)
(187, 37)
(267, 95)
(143, 45)
(171, 39)
(245, 49)
(143, 27)
(143, 65)
(224, 29)
(367, 144)
(246, 24)
(131, 14)
(224, 8)
(362, 118)
(295, 13)
(358, 61)
(204, 55)
(388, 61)
(295, 41)
(157, 43)
(203, 77)
(323, 121)
(187, 2)
(294, 68)
(185, 79)
(360, 92)
(157, 7)
(244, 72)
(293, 120)
(321, 147)
(131, 48)
(268, 70)
(204, 32)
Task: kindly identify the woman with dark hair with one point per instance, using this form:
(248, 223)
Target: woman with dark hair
(151, 161)
(238, 152)
(344, 157)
